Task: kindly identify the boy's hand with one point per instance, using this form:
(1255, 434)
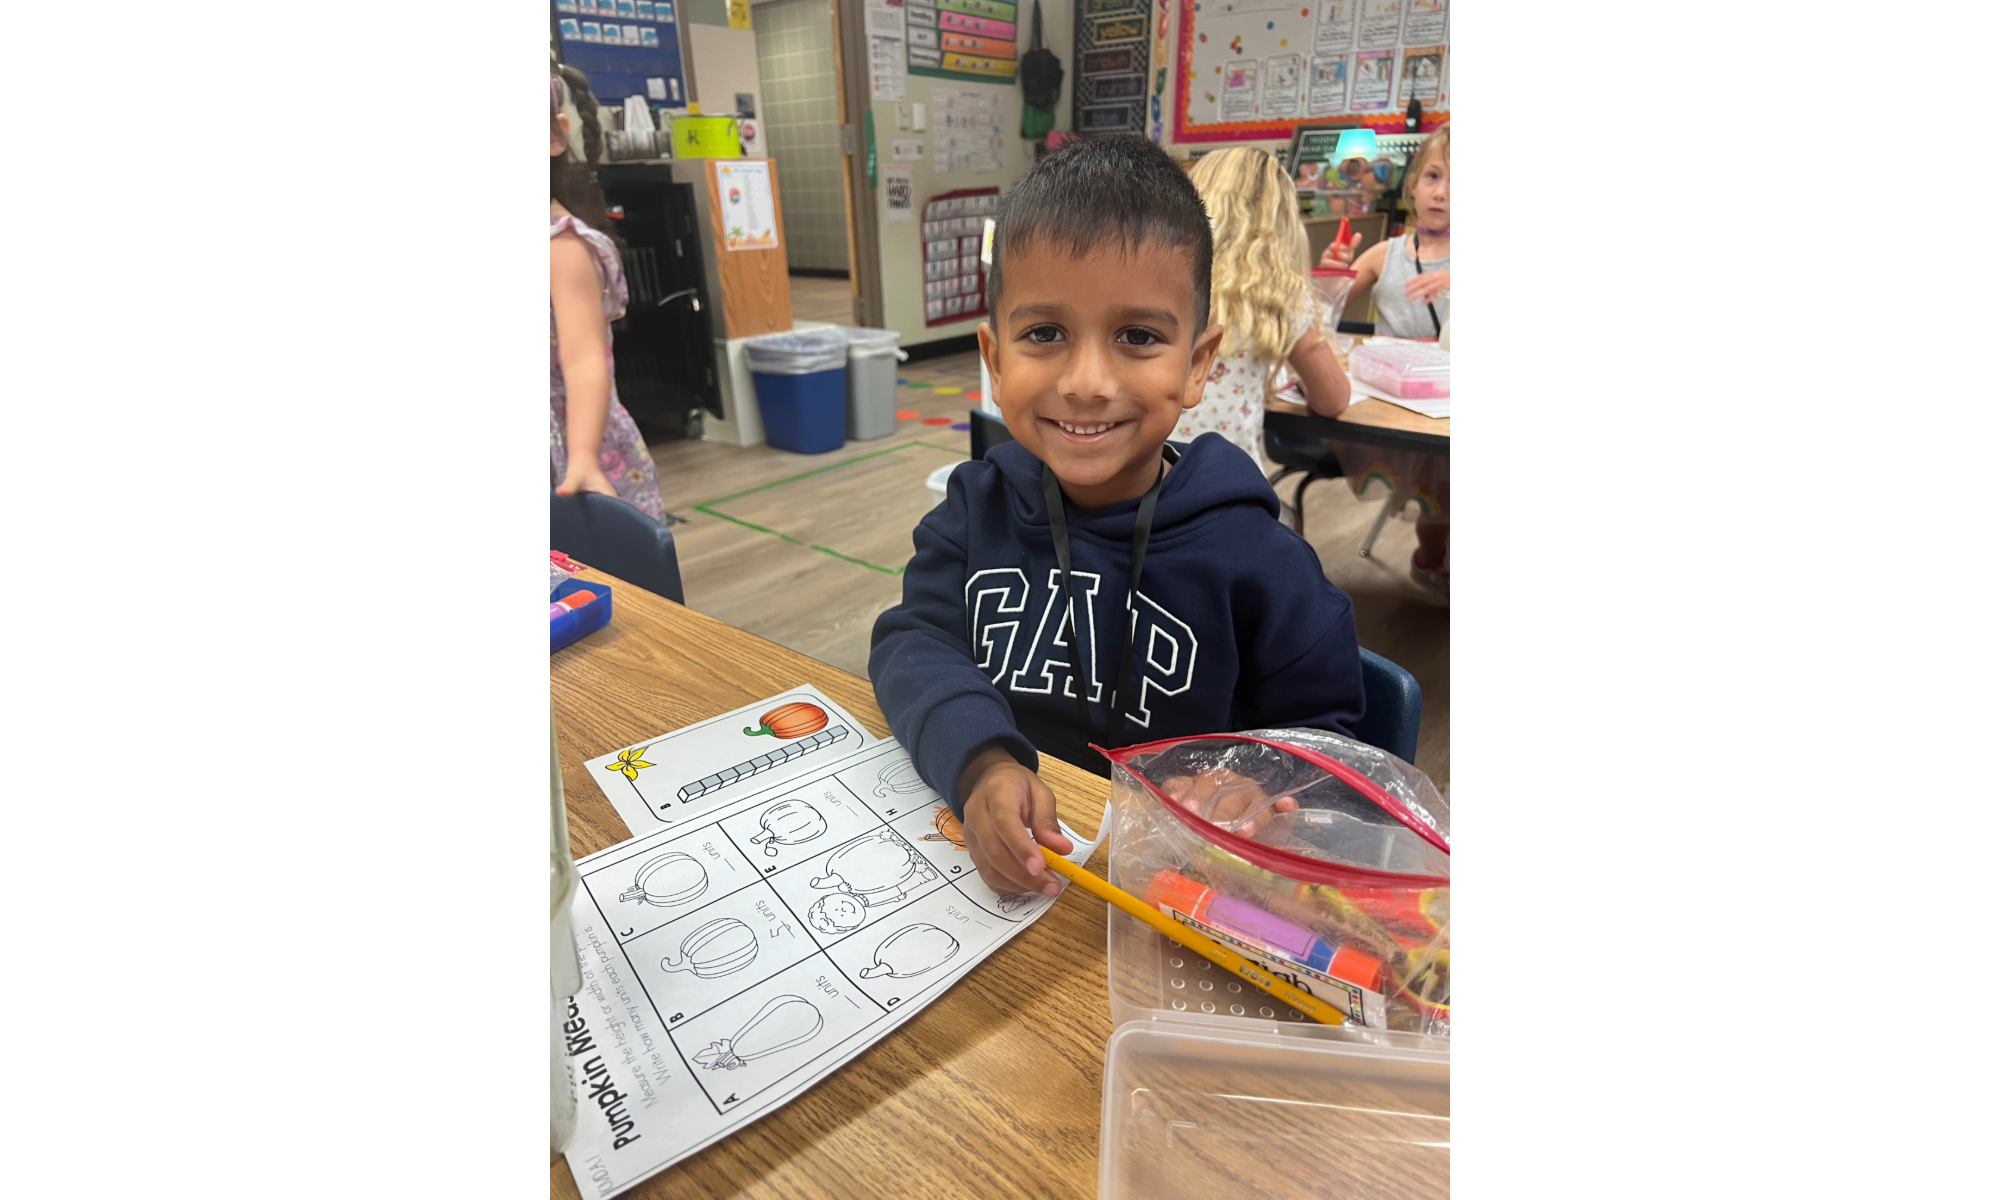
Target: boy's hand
(1340, 254)
(1235, 803)
(1003, 800)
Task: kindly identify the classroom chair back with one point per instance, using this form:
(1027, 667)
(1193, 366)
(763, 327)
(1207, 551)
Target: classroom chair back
(611, 535)
(988, 431)
(1395, 706)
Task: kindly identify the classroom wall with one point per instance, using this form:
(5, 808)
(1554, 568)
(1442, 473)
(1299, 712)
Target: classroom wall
(902, 244)
(1167, 14)
(800, 114)
(722, 62)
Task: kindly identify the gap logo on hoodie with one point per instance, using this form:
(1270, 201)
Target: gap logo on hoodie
(1021, 635)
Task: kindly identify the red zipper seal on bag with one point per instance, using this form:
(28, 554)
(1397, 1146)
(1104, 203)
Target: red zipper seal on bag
(1287, 862)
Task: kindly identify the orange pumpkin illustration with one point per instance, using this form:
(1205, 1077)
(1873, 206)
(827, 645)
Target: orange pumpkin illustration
(788, 721)
(947, 826)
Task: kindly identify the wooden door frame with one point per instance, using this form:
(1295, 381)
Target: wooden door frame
(851, 83)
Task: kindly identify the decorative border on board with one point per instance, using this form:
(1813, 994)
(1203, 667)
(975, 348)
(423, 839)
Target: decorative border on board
(1264, 131)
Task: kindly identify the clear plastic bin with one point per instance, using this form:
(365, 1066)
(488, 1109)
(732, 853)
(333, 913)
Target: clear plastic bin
(1195, 1114)
(1407, 370)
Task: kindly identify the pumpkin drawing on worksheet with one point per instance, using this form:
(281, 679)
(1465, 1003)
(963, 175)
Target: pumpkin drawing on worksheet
(874, 869)
(911, 950)
(669, 879)
(787, 721)
(719, 947)
(787, 823)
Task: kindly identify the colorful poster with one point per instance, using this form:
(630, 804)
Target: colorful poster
(1281, 86)
(1333, 29)
(1381, 24)
(1426, 22)
(1239, 92)
(1423, 73)
(1372, 83)
(749, 218)
(739, 14)
(1326, 88)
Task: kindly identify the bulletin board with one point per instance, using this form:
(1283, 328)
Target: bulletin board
(954, 278)
(625, 47)
(1251, 70)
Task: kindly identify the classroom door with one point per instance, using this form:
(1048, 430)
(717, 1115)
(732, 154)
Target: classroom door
(857, 160)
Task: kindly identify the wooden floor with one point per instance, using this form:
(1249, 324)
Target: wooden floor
(806, 550)
(817, 299)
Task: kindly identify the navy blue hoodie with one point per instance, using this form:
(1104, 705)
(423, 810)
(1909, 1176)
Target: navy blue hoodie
(1237, 627)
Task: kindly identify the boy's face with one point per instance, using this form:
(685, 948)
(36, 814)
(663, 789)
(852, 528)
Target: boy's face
(1092, 360)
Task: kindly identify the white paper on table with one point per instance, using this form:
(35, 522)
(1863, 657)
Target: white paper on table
(730, 964)
(667, 781)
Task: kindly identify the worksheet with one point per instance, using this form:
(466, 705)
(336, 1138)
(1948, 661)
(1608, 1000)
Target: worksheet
(668, 780)
(736, 958)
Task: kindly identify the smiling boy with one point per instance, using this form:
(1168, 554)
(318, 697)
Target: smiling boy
(1199, 611)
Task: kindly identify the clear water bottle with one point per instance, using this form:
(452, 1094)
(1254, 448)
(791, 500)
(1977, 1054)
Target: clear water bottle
(565, 978)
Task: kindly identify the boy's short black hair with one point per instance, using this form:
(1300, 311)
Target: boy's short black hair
(1103, 190)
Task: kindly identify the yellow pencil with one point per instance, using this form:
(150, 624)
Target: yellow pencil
(1215, 952)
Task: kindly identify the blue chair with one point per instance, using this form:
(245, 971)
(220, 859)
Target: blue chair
(607, 533)
(1395, 706)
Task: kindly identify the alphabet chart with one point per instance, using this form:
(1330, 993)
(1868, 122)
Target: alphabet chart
(733, 959)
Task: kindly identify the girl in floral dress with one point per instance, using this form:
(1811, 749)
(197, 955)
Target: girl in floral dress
(593, 444)
(1261, 297)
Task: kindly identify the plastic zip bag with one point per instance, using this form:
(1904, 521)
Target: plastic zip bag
(1324, 858)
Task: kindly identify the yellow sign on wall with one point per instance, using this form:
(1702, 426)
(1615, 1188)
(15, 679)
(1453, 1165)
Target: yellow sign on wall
(739, 14)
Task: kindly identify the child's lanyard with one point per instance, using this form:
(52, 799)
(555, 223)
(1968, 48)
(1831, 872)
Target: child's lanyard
(1142, 531)
(1437, 326)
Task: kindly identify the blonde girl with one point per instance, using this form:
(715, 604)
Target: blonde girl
(1260, 295)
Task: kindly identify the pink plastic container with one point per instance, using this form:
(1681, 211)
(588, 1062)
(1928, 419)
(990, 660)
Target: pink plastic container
(1406, 370)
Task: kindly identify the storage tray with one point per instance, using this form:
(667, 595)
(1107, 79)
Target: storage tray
(578, 622)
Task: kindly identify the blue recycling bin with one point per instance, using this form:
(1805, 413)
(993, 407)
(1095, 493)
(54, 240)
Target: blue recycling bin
(801, 381)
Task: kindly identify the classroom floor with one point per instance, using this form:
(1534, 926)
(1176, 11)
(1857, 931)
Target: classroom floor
(805, 549)
(818, 299)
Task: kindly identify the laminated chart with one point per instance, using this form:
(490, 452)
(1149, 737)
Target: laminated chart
(667, 780)
(735, 959)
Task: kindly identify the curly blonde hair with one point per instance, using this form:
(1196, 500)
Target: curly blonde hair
(1258, 286)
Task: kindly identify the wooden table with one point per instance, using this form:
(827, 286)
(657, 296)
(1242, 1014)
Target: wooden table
(1368, 421)
(993, 1091)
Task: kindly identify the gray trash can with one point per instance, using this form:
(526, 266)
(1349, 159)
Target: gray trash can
(871, 382)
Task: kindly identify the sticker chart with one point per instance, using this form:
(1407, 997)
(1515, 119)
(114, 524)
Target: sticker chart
(788, 920)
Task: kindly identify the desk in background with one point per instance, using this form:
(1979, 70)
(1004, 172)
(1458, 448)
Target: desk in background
(994, 1090)
(1369, 422)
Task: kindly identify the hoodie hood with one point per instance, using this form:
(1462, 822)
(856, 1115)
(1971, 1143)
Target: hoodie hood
(1210, 476)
